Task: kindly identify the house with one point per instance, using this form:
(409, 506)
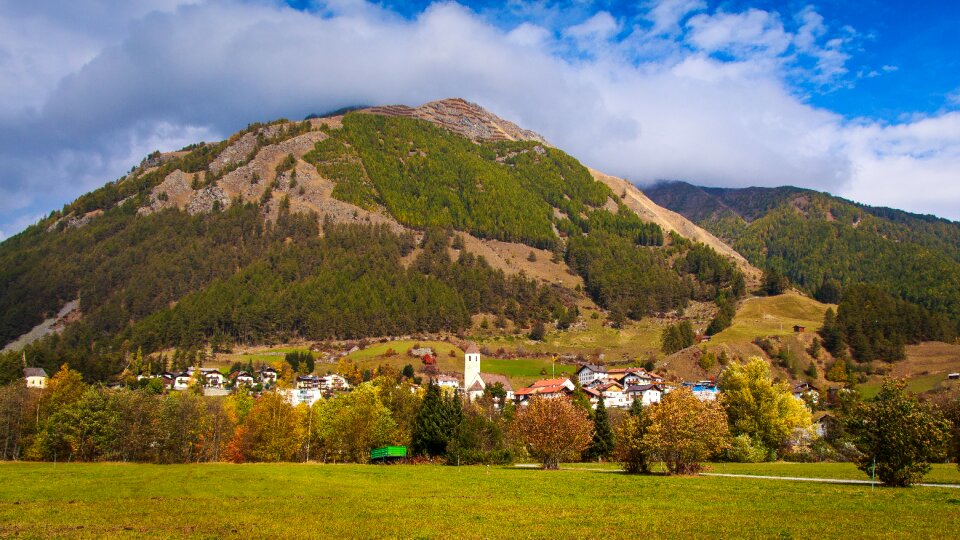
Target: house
(214, 379)
(613, 395)
(953, 376)
(634, 376)
(35, 377)
(703, 390)
(167, 379)
(824, 423)
(548, 388)
(308, 382)
(592, 395)
(268, 376)
(648, 394)
(304, 396)
(799, 329)
(447, 382)
(805, 391)
(597, 383)
(333, 383)
(182, 381)
(242, 378)
(588, 373)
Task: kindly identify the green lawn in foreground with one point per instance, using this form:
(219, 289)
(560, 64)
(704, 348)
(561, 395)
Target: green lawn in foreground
(361, 501)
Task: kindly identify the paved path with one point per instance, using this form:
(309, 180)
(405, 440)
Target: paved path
(823, 480)
(756, 476)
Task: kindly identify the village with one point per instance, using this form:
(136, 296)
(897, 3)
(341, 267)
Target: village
(615, 387)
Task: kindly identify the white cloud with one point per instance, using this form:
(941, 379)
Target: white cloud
(666, 15)
(202, 71)
(740, 34)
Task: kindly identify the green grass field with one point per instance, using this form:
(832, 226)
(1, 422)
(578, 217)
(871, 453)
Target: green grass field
(362, 501)
(916, 384)
(772, 316)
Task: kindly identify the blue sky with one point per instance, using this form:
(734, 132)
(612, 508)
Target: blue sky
(861, 99)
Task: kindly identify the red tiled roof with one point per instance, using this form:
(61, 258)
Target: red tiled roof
(535, 390)
(550, 382)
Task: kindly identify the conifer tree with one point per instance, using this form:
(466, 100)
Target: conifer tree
(432, 428)
(603, 439)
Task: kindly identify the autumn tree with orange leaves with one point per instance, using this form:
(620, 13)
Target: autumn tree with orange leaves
(553, 430)
(685, 431)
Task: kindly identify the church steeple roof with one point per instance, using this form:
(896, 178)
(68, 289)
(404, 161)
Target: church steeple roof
(472, 348)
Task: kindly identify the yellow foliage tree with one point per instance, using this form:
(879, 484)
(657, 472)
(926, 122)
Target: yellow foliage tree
(348, 426)
(685, 431)
(759, 407)
(273, 431)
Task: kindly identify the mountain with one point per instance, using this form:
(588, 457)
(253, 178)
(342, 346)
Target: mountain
(376, 222)
(825, 244)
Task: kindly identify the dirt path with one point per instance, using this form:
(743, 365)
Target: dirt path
(753, 476)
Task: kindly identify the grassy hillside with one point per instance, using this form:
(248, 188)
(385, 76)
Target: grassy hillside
(357, 501)
(817, 239)
(773, 316)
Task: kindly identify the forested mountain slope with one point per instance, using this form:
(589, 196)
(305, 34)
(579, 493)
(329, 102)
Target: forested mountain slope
(340, 227)
(825, 244)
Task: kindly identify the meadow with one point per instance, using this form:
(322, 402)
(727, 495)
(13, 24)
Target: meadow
(360, 501)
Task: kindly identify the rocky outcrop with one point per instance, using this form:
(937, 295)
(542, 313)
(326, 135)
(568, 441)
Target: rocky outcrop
(205, 199)
(71, 221)
(464, 118)
(235, 153)
(69, 313)
(173, 192)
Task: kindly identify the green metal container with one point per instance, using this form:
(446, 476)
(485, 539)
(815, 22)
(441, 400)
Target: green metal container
(388, 452)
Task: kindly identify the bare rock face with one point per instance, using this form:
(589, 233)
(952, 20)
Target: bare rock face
(174, 191)
(71, 221)
(235, 153)
(205, 199)
(464, 118)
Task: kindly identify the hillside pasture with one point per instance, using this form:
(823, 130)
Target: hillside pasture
(764, 316)
(361, 501)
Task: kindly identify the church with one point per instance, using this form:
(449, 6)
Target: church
(474, 381)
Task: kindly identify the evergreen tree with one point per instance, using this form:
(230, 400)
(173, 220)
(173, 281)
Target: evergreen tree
(538, 332)
(601, 447)
(832, 335)
(774, 282)
(433, 427)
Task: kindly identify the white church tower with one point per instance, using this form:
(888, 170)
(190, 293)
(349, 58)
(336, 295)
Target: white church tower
(471, 368)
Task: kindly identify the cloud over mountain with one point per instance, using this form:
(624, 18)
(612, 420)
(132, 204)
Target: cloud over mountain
(678, 91)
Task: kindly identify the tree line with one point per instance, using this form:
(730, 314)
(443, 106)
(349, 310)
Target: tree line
(872, 324)
(755, 419)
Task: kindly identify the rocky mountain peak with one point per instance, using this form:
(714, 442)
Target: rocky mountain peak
(464, 118)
